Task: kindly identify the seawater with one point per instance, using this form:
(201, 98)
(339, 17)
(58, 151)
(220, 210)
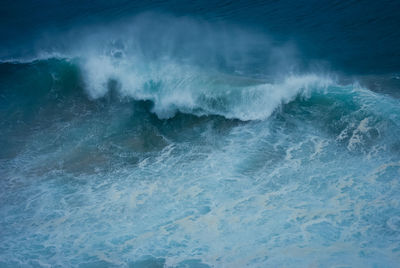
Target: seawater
(162, 140)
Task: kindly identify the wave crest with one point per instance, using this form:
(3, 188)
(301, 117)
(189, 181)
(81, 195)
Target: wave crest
(174, 87)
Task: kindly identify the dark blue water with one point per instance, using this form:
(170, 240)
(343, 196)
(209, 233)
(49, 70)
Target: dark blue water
(356, 36)
(204, 134)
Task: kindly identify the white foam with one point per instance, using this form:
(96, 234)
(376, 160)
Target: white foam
(186, 88)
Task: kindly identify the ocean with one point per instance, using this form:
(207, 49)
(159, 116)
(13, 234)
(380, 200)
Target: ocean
(172, 133)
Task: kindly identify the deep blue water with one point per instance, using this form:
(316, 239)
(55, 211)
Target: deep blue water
(199, 134)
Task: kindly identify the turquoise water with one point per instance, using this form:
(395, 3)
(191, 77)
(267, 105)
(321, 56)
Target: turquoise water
(179, 142)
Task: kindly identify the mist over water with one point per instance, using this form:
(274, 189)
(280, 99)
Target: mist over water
(162, 140)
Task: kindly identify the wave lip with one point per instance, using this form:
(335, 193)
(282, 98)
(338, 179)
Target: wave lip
(174, 87)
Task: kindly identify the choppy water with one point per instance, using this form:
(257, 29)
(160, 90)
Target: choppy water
(153, 139)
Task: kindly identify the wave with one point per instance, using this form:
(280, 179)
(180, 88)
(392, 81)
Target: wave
(183, 65)
(55, 90)
(354, 116)
(174, 87)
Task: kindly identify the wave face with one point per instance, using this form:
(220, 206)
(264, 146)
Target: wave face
(182, 143)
